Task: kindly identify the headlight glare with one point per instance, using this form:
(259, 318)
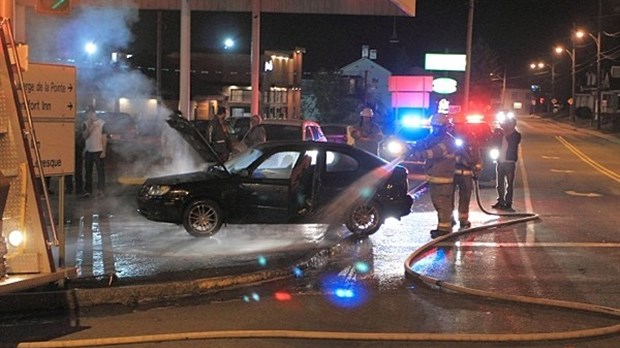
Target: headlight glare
(494, 154)
(158, 190)
(395, 147)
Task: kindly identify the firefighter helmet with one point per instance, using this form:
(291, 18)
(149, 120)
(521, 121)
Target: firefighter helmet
(367, 112)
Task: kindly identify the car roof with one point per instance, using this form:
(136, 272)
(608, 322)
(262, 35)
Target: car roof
(290, 122)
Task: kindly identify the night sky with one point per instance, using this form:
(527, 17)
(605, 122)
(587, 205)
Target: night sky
(520, 31)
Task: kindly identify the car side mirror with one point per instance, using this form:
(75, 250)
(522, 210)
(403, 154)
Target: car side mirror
(244, 173)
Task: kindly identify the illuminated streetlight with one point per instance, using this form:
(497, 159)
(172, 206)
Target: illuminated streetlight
(542, 65)
(229, 43)
(597, 104)
(90, 48)
(559, 50)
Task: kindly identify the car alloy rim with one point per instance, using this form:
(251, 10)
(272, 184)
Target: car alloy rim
(203, 218)
(365, 217)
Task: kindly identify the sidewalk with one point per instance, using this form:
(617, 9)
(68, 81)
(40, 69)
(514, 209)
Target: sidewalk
(588, 125)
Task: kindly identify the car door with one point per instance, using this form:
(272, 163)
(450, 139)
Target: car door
(338, 176)
(264, 193)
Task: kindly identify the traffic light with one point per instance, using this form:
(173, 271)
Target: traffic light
(55, 7)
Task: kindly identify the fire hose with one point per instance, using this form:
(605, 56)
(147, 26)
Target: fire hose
(384, 336)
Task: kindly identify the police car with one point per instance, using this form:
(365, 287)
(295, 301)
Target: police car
(411, 129)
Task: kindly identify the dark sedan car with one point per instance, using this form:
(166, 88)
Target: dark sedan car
(279, 182)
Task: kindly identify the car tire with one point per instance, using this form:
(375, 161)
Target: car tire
(203, 218)
(364, 219)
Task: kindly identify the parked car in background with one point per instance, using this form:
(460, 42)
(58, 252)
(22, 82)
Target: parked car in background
(338, 133)
(278, 182)
(288, 129)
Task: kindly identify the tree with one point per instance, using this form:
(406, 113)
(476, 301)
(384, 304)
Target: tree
(329, 100)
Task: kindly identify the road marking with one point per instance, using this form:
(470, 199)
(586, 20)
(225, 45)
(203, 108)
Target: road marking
(605, 171)
(589, 194)
(561, 171)
(532, 245)
(550, 157)
(530, 235)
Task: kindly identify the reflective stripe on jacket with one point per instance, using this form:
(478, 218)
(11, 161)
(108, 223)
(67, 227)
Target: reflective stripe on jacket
(439, 153)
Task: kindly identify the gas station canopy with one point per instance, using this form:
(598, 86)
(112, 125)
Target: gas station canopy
(338, 7)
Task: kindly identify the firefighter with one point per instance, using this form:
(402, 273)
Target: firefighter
(218, 137)
(367, 134)
(438, 151)
(468, 165)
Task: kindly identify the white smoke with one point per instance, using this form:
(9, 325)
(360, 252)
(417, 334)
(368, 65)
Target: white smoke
(62, 40)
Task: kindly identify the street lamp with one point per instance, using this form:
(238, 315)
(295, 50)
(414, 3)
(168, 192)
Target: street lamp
(90, 48)
(597, 104)
(559, 50)
(228, 43)
(542, 65)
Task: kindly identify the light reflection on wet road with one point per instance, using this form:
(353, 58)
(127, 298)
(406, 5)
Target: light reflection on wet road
(107, 237)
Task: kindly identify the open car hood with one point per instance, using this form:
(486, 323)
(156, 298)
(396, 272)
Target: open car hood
(192, 135)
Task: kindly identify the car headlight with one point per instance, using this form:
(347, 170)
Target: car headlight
(158, 190)
(494, 154)
(500, 117)
(395, 147)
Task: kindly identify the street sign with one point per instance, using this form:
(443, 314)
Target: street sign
(50, 90)
(56, 141)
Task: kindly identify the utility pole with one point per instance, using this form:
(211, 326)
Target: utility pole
(158, 60)
(598, 68)
(470, 26)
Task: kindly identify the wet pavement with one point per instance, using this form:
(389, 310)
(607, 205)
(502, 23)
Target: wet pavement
(113, 248)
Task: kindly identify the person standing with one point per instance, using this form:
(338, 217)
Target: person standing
(218, 137)
(367, 134)
(95, 144)
(507, 139)
(78, 172)
(256, 134)
(468, 164)
(438, 150)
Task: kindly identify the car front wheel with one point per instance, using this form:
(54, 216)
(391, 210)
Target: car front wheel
(364, 219)
(202, 218)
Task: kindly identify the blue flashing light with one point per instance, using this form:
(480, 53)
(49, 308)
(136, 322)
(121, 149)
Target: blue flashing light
(262, 261)
(344, 293)
(411, 121)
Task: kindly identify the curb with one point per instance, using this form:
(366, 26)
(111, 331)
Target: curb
(132, 295)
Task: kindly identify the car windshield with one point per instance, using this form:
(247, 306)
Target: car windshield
(243, 160)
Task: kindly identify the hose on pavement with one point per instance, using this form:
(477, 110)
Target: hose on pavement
(385, 336)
